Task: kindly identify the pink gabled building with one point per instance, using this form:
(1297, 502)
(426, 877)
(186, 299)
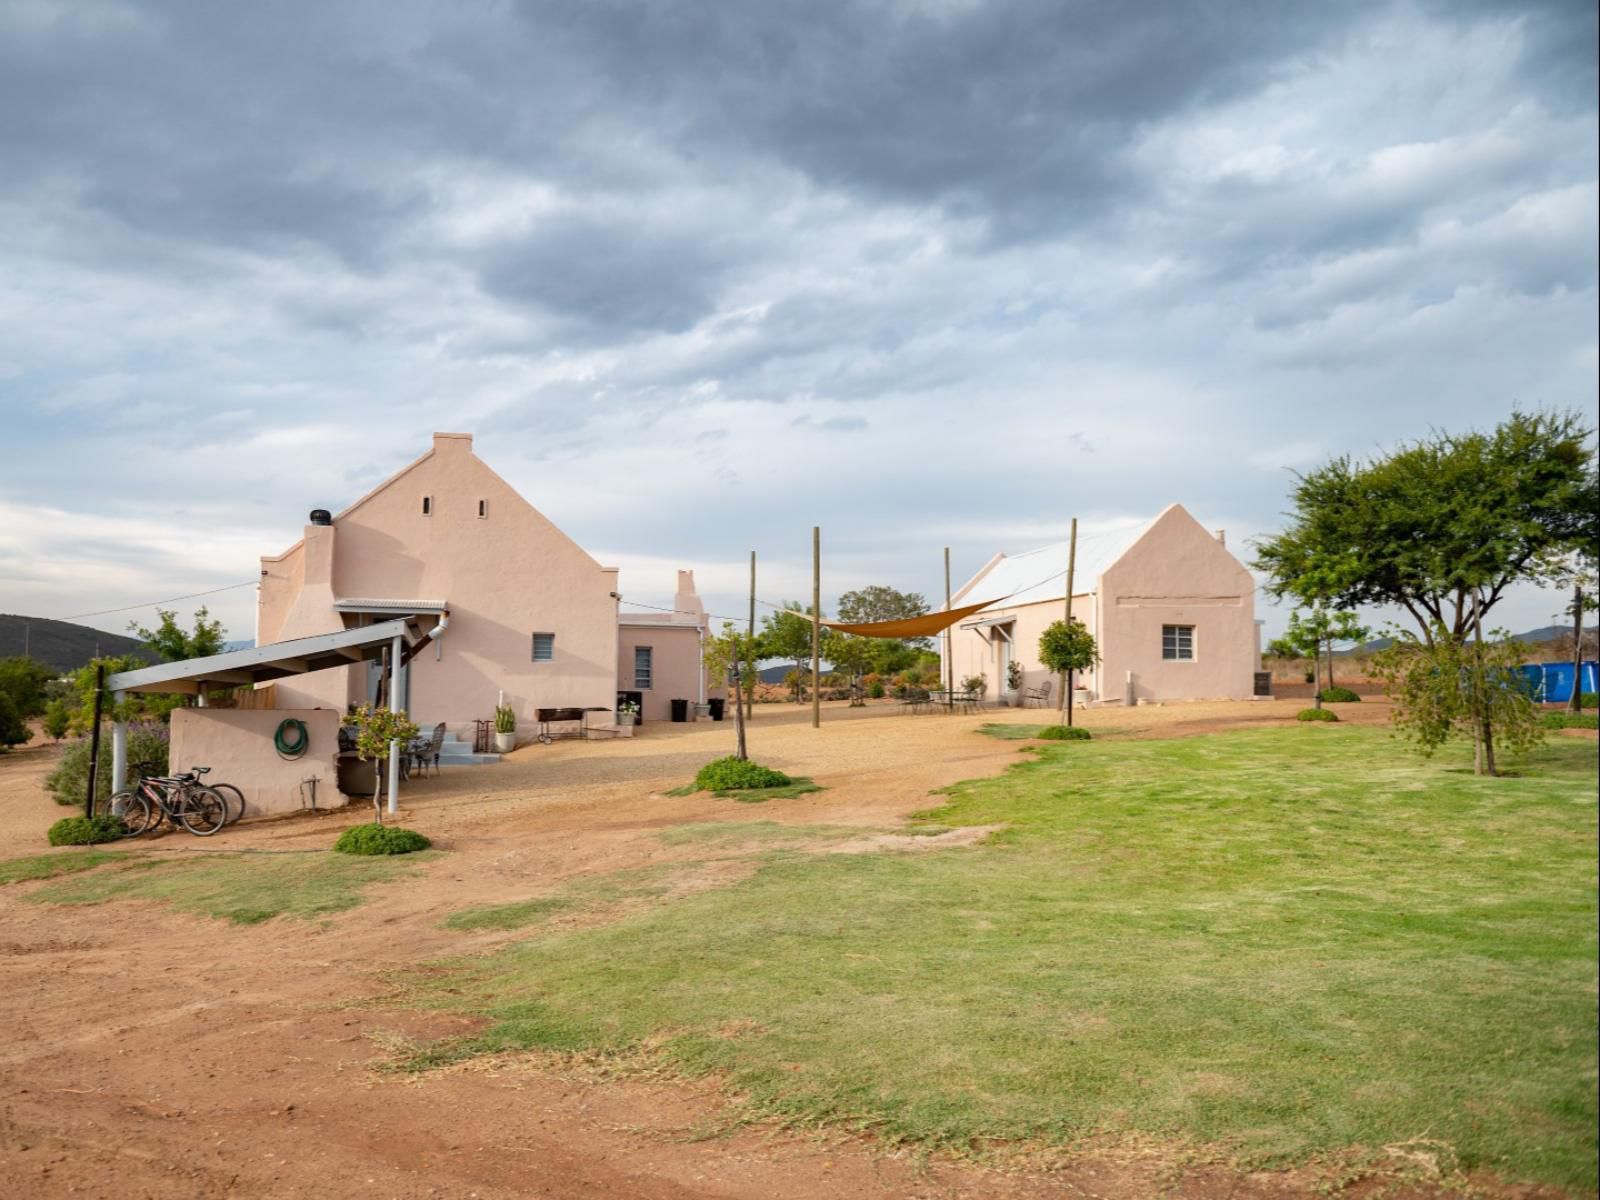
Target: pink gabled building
(528, 614)
(1171, 610)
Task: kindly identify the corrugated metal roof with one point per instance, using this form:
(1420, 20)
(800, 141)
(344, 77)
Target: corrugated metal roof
(1034, 576)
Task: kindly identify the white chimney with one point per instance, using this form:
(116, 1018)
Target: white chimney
(1222, 536)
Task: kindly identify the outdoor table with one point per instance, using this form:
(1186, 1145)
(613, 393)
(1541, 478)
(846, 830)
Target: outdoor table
(950, 700)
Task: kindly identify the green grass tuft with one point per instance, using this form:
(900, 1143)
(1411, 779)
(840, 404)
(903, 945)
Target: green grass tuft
(1567, 720)
(1316, 714)
(732, 774)
(1064, 733)
(1282, 947)
(1339, 695)
(380, 839)
(244, 888)
(49, 866)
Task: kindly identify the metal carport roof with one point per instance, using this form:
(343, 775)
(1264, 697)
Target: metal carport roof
(262, 664)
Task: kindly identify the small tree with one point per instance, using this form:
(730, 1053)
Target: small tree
(786, 634)
(1309, 634)
(729, 659)
(1064, 648)
(25, 680)
(1442, 688)
(376, 730)
(57, 720)
(173, 644)
(13, 729)
(853, 655)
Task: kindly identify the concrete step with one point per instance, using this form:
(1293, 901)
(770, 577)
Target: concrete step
(465, 758)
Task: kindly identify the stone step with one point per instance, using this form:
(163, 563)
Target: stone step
(465, 758)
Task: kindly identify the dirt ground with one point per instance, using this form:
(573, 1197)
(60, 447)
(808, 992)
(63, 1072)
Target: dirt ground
(149, 1053)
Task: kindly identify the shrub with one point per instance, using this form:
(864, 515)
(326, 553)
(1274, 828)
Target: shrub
(1064, 733)
(875, 689)
(1339, 695)
(380, 839)
(1316, 714)
(85, 831)
(505, 719)
(1565, 720)
(147, 742)
(13, 729)
(1589, 700)
(737, 774)
(57, 720)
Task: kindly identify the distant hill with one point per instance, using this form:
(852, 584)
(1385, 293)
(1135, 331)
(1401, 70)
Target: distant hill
(1545, 633)
(60, 644)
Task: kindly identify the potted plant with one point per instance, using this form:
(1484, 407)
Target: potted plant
(976, 684)
(505, 729)
(1013, 695)
(627, 714)
(702, 710)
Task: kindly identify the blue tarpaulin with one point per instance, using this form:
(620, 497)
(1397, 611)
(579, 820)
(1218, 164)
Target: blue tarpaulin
(1552, 682)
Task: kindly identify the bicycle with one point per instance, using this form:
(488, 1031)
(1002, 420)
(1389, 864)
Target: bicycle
(182, 799)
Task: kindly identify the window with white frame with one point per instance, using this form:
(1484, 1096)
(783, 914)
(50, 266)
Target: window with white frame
(643, 666)
(544, 647)
(1177, 643)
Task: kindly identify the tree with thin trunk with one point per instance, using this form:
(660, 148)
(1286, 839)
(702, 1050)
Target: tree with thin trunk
(1431, 526)
(729, 659)
(1064, 648)
(377, 729)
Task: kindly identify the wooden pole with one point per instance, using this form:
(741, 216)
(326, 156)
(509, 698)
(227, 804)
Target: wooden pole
(1072, 570)
(1575, 701)
(816, 625)
(750, 693)
(94, 738)
(949, 639)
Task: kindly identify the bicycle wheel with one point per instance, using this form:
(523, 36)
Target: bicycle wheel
(203, 812)
(233, 797)
(128, 807)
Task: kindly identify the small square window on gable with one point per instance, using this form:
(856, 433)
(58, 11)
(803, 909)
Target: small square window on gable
(427, 506)
(483, 509)
(544, 647)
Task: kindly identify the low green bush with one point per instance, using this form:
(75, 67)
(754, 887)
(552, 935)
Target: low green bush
(736, 774)
(85, 831)
(380, 839)
(876, 690)
(1064, 733)
(1339, 695)
(147, 743)
(1316, 714)
(1589, 700)
(1566, 720)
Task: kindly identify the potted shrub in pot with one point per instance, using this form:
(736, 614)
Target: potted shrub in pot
(1013, 694)
(627, 717)
(505, 729)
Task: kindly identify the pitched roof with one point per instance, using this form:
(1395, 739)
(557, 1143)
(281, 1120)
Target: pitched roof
(1034, 576)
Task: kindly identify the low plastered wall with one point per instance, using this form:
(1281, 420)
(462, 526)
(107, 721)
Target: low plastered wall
(237, 744)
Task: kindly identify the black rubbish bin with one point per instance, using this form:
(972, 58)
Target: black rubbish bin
(716, 703)
(680, 710)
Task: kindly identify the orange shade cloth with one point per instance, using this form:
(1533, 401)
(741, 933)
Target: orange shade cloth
(910, 627)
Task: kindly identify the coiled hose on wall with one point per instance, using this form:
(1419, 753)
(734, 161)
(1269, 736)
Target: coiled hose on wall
(291, 739)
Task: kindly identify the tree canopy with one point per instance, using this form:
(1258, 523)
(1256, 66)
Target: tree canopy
(1425, 526)
(174, 645)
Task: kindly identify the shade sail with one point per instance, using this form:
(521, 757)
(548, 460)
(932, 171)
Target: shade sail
(924, 626)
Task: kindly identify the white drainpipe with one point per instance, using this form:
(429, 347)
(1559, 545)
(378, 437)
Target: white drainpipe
(701, 630)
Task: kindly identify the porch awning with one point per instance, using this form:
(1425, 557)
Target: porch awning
(262, 664)
(368, 604)
(989, 622)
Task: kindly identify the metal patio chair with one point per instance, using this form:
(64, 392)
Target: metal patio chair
(1039, 695)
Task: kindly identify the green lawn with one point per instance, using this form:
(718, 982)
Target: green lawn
(1287, 943)
(48, 866)
(244, 888)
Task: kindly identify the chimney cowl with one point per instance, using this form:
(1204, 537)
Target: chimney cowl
(321, 516)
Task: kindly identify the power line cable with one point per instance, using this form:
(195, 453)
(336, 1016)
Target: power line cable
(152, 603)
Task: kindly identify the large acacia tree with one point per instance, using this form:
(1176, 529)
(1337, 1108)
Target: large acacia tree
(1440, 526)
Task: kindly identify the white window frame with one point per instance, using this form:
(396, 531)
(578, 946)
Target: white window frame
(1183, 634)
(552, 655)
(649, 680)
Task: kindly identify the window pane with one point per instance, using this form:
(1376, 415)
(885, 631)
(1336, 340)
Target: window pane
(1177, 642)
(544, 647)
(642, 663)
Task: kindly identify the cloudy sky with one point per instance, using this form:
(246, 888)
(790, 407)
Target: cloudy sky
(700, 276)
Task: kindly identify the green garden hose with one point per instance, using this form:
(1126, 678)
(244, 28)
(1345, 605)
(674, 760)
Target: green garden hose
(289, 728)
